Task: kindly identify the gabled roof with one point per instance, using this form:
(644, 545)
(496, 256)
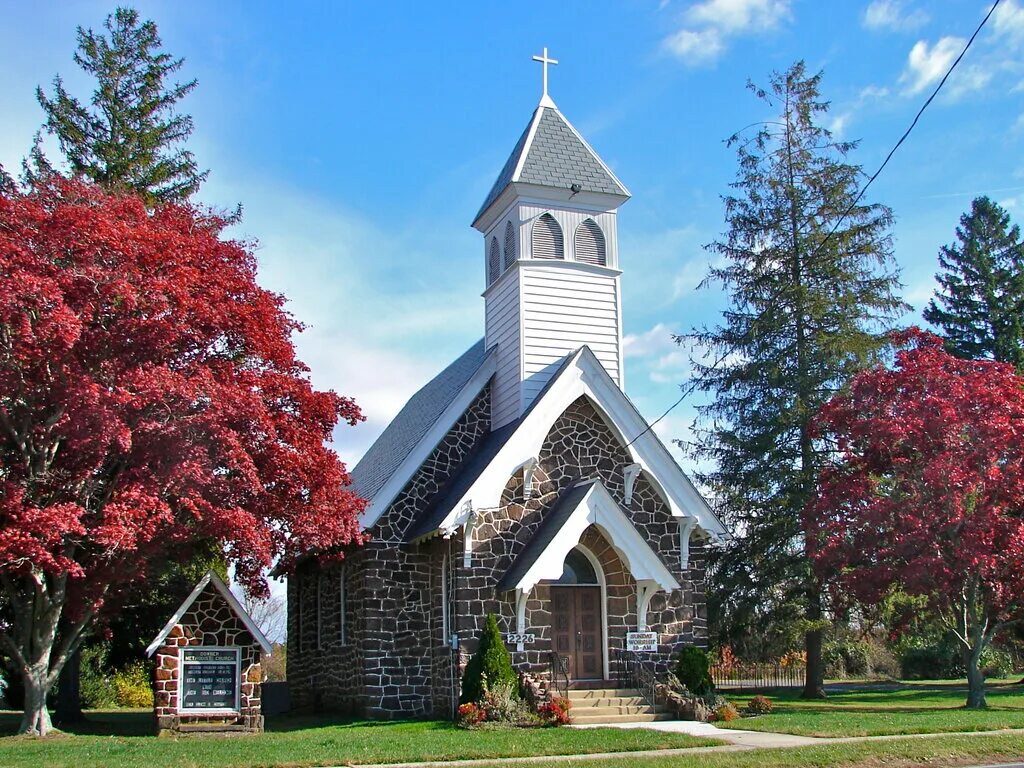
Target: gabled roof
(413, 422)
(232, 601)
(581, 374)
(552, 153)
(422, 423)
(580, 506)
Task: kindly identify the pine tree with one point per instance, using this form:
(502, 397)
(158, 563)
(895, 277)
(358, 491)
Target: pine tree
(810, 292)
(979, 306)
(128, 138)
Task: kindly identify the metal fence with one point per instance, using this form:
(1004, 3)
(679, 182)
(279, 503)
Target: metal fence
(745, 675)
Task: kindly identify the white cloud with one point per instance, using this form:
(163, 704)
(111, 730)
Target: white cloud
(927, 64)
(893, 15)
(708, 26)
(1008, 19)
(658, 356)
(837, 125)
(696, 46)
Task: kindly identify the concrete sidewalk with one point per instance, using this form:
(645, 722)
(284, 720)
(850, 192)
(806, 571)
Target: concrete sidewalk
(740, 738)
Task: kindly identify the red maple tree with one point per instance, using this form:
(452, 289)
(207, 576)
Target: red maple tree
(149, 397)
(927, 491)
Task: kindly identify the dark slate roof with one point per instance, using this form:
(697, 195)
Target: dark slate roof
(463, 478)
(460, 482)
(555, 157)
(413, 422)
(551, 525)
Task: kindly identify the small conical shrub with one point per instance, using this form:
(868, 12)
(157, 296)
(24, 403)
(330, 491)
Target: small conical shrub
(491, 662)
(692, 669)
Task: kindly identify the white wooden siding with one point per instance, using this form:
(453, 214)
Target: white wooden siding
(563, 309)
(503, 329)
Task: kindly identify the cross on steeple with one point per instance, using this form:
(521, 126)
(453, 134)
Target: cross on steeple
(545, 60)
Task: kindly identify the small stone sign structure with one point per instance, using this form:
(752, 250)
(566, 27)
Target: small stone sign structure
(208, 675)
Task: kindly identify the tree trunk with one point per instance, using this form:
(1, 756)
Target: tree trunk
(69, 702)
(35, 719)
(814, 682)
(975, 679)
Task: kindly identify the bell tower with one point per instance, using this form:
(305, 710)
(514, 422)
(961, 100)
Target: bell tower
(551, 259)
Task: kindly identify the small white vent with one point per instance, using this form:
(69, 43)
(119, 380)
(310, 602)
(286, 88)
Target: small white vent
(589, 245)
(493, 262)
(546, 242)
(510, 244)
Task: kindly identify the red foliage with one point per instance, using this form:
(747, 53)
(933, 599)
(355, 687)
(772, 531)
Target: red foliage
(555, 711)
(928, 488)
(469, 715)
(150, 395)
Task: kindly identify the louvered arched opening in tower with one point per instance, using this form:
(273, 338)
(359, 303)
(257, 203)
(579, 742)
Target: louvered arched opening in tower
(510, 244)
(493, 261)
(589, 244)
(547, 239)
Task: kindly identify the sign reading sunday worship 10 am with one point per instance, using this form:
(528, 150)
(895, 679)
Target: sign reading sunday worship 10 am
(642, 642)
(209, 679)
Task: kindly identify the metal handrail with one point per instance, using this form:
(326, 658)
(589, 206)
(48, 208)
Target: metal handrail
(639, 672)
(559, 667)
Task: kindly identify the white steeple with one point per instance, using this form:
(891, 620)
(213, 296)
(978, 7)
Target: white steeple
(551, 256)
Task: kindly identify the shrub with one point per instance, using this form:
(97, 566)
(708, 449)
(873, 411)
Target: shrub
(995, 662)
(95, 686)
(928, 662)
(132, 686)
(555, 712)
(491, 663)
(469, 715)
(760, 705)
(847, 658)
(692, 669)
(501, 704)
(726, 713)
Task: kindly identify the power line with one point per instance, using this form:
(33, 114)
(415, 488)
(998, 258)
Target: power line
(689, 390)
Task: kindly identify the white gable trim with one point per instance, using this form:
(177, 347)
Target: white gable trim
(599, 509)
(236, 607)
(584, 375)
(394, 485)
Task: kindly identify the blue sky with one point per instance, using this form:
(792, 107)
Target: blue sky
(362, 137)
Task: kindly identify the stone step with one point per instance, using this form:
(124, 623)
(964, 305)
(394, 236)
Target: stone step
(611, 701)
(637, 718)
(576, 694)
(599, 712)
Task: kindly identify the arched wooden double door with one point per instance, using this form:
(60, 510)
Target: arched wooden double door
(577, 619)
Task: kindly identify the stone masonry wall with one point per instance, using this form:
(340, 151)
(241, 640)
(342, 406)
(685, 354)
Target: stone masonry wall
(209, 621)
(398, 660)
(581, 446)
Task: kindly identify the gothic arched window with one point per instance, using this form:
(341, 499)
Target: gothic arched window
(546, 242)
(577, 570)
(589, 245)
(510, 244)
(493, 262)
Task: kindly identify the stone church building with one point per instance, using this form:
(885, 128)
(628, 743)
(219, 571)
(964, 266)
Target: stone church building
(520, 481)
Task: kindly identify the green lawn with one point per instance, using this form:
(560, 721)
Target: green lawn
(976, 749)
(875, 710)
(121, 740)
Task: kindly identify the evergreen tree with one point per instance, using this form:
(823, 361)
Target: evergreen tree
(810, 292)
(128, 138)
(491, 664)
(979, 306)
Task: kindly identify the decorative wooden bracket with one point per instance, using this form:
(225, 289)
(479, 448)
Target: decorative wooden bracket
(686, 526)
(529, 470)
(629, 475)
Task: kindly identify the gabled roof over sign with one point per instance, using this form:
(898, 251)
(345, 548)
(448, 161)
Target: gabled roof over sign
(552, 153)
(232, 601)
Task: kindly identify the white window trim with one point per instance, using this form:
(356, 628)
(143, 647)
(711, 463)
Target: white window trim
(445, 629)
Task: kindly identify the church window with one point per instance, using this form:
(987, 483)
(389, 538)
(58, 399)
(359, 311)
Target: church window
(577, 570)
(510, 244)
(493, 262)
(589, 246)
(319, 610)
(445, 631)
(300, 596)
(547, 239)
(342, 629)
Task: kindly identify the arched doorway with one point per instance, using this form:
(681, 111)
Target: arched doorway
(577, 616)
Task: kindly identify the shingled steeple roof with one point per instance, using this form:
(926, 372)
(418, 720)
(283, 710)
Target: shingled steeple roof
(552, 153)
